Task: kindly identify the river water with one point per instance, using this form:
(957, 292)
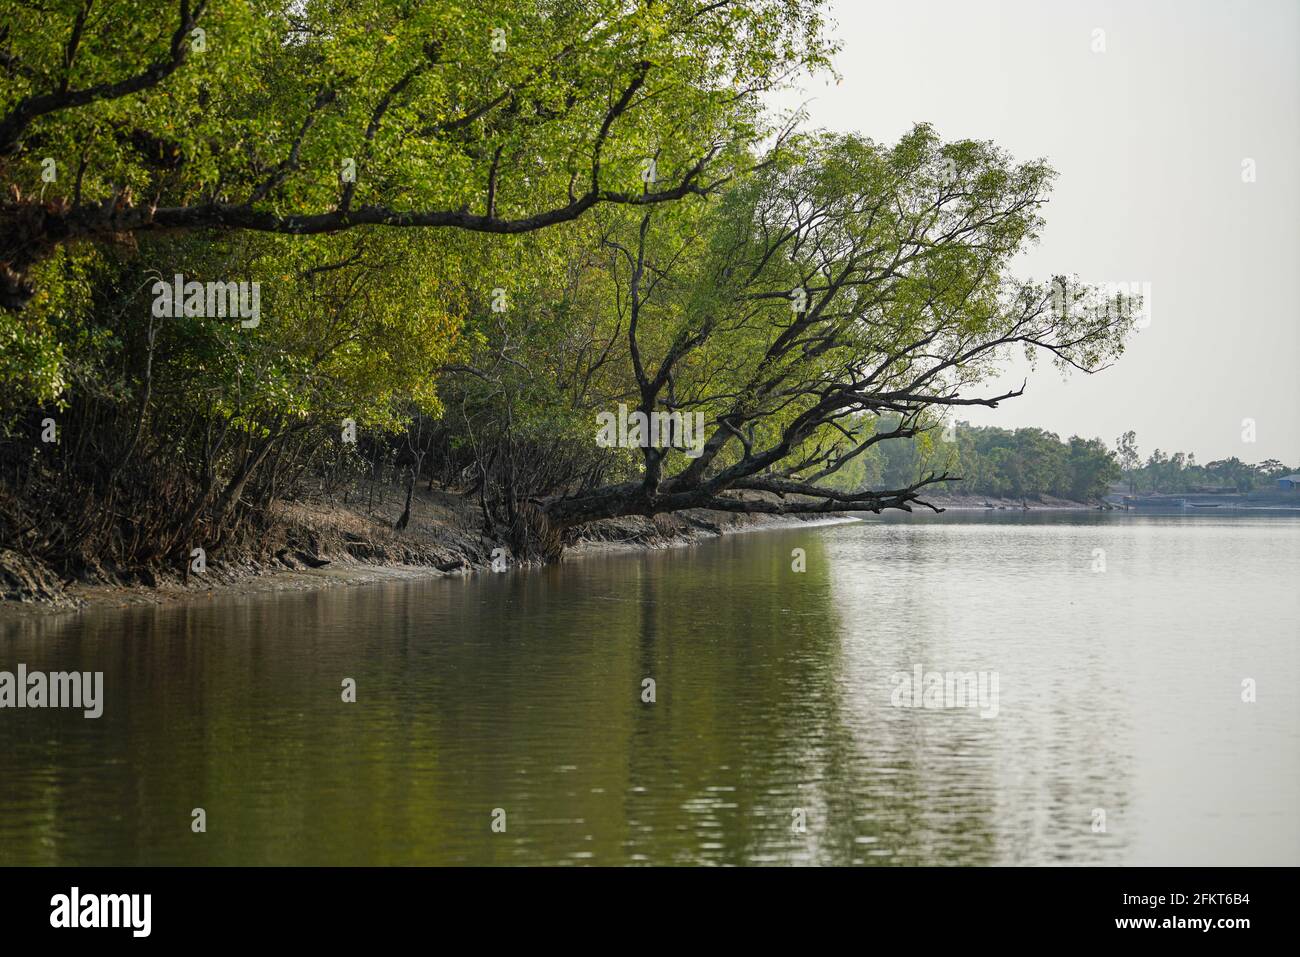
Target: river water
(781, 730)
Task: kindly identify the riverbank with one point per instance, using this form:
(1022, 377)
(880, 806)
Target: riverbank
(351, 540)
(328, 544)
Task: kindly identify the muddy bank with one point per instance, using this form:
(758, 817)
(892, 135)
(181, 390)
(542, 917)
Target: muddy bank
(325, 544)
(330, 543)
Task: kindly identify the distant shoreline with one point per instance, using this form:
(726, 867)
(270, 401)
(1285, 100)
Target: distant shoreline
(1045, 503)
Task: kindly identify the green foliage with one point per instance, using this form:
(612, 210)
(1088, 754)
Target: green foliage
(34, 345)
(1179, 472)
(1021, 463)
(250, 112)
(421, 95)
(899, 259)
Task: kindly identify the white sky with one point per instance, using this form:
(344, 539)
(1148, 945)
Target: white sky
(1148, 138)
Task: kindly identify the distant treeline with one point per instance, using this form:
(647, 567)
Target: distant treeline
(1024, 463)
(1180, 472)
(1030, 463)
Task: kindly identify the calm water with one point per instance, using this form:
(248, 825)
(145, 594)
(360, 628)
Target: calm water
(1118, 690)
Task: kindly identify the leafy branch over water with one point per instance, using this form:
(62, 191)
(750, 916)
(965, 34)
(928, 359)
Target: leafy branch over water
(473, 230)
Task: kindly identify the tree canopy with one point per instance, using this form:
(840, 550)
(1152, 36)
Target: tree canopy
(119, 117)
(841, 285)
(800, 299)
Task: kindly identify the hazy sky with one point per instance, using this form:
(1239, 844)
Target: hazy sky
(1149, 139)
